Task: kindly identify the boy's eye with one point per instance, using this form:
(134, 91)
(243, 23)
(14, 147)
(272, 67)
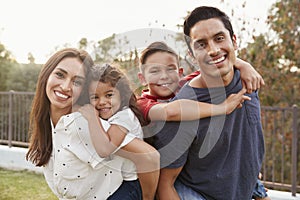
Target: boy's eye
(171, 68)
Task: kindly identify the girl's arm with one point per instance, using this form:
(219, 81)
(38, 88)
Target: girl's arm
(144, 156)
(251, 78)
(105, 142)
(184, 109)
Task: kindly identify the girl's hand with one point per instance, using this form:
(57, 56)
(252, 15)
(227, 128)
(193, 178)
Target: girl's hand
(89, 112)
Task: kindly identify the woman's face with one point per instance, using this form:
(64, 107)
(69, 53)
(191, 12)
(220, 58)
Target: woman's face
(65, 84)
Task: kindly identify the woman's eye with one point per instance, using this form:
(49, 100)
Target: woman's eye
(59, 74)
(78, 82)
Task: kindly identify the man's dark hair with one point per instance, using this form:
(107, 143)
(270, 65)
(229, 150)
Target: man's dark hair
(204, 13)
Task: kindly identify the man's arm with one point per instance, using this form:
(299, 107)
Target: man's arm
(166, 189)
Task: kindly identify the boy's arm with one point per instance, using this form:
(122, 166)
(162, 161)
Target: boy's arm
(167, 178)
(105, 142)
(185, 109)
(251, 78)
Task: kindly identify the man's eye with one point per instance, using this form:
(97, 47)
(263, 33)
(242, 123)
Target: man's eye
(220, 38)
(199, 45)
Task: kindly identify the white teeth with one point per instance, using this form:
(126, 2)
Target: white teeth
(165, 85)
(61, 95)
(218, 60)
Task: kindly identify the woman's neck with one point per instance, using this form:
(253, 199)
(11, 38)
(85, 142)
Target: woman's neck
(56, 114)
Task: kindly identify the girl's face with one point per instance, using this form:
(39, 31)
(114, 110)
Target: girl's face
(65, 84)
(105, 98)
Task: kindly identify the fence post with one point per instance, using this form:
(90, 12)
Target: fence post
(294, 150)
(10, 118)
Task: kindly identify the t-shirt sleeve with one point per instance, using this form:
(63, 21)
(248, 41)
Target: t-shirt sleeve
(127, 119)
(145, 105)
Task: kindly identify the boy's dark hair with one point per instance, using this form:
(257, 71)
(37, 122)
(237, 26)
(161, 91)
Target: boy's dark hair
(204, 13)
(154, 48)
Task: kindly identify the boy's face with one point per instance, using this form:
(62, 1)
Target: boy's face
(105, 98)
(213, 48)
(161, 74)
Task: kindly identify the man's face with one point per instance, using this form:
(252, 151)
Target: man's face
(213, 48)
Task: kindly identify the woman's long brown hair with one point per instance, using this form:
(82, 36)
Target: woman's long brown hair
(40, 147)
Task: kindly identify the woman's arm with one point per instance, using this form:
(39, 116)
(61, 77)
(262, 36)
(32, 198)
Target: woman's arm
(185, 109)
(105, 142)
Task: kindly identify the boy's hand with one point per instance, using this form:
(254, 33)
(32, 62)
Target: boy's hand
(250, 77)
(235, 101)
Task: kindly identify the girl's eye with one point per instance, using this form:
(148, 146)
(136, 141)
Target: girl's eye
(93, 97)
(109, 95)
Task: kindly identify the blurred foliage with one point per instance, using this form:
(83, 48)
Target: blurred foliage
(276, 55)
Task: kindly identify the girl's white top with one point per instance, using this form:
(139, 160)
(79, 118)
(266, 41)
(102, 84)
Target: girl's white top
(75, 170)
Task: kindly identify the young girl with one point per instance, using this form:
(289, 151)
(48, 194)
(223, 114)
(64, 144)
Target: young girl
(59, 140)
(112, 99)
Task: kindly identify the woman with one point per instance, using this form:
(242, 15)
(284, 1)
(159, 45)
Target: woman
(59, 140)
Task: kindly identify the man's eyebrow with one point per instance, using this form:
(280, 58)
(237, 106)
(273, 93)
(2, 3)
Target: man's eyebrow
(219, 33)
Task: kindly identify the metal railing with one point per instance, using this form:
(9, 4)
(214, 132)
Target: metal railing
(281, 132)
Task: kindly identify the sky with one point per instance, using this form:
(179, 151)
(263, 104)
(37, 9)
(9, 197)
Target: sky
(40, 26)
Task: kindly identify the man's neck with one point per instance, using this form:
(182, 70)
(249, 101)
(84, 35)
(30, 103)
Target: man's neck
(204, 81)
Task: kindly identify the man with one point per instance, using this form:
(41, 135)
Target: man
(216, 157)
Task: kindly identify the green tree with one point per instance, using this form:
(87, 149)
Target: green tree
(6, 64)
(276, 55)
(23, 77)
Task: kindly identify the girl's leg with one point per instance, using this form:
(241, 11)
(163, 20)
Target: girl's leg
(129, 190)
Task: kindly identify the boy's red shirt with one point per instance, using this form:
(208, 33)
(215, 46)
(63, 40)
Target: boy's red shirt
(146, 100)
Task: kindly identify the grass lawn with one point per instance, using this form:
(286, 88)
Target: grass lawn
(23, 185)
